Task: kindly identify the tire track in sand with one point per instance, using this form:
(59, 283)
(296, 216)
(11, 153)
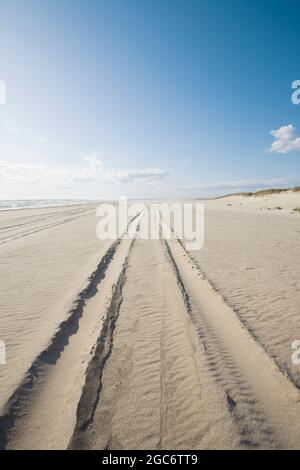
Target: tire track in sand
(155, 392)
(171, 367)
(263, 402)
(55, 380)
(182, 371)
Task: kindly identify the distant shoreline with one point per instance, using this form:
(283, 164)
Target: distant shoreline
(15, 204)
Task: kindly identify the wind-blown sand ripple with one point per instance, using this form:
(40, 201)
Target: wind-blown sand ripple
(155, 390)
(43, 265)
(253, 259)
(154, 357)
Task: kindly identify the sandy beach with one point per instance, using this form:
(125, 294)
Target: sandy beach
(141, 344)
(150, 232)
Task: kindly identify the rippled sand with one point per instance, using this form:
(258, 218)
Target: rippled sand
(139, 344)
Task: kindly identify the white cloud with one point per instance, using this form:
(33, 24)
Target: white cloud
(246, 184)
(92, 170)
(285, 140)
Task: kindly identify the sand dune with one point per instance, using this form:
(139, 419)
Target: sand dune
(284, 202)
(138, 344)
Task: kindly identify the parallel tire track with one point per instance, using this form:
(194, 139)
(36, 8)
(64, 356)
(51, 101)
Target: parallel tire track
(49, 356)
(93, 384)
(252, 416)
(53, 351)
(241, 402)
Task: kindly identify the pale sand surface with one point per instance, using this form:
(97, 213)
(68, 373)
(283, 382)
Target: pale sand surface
(156, 392)
(252, 257)
(46, 256)
(163, 348)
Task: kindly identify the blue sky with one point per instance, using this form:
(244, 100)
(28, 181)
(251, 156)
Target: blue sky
(148, 98)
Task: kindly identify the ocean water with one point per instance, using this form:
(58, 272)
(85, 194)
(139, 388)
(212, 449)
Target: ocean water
(35, 203)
